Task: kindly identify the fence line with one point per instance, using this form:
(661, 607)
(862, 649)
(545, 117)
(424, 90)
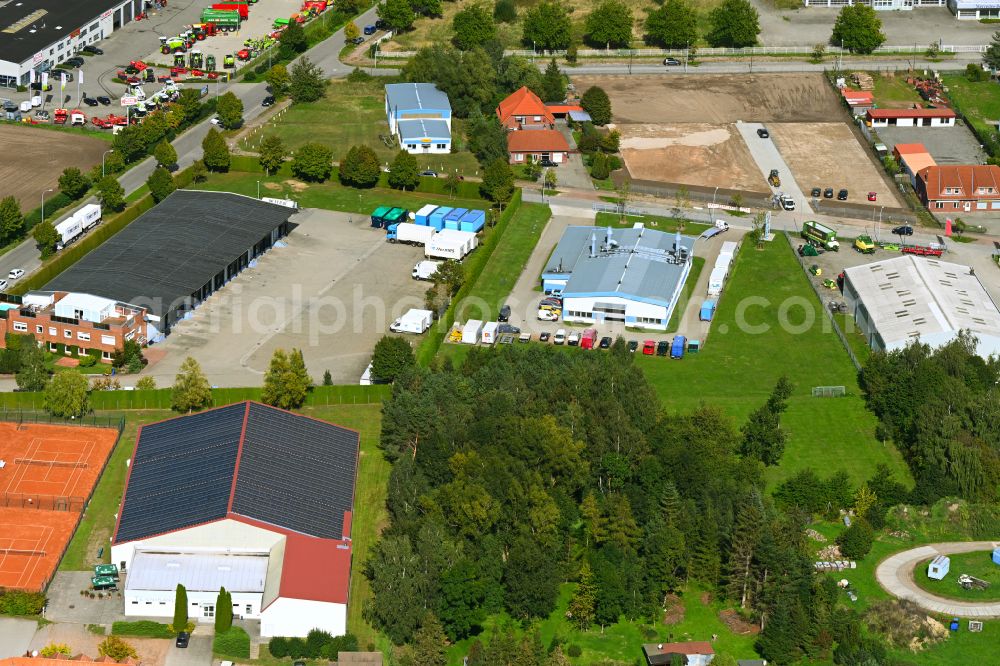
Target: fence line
(819, 295)
(720, 51)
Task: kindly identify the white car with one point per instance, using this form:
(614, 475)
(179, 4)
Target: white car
(3, 284)
(216, 121)
(547, 315)
(560, 337)
(15, 274)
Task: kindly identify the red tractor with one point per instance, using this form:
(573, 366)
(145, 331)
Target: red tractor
(178, 71)
(100, 123)
(243, 54)
(59, 116)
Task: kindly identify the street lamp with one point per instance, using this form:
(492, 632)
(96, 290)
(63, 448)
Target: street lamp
(258, 189)
(43, 202)
(106, 153)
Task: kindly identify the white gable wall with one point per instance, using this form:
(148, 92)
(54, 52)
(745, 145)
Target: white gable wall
(296, 617)
(226, 534)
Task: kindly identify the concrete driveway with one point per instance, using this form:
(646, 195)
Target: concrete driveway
(895, 574)
(765, 154)
(15, 636)
(197, 653)
(66, 604)
(572, 173)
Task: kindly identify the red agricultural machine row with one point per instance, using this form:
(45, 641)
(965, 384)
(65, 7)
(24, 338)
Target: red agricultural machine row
(111, 120)
(75, 117)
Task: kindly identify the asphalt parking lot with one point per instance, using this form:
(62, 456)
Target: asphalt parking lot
(332, 292)
(947, 145)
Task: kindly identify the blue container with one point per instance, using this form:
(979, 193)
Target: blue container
(423, 215)
(451, 219)
(472, 221)
(436, 218)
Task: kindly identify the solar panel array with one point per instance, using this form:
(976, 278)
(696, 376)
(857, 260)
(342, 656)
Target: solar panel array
(182, 473)
(296, 472)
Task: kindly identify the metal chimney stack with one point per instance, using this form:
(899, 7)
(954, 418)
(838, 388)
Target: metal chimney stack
(593, 245)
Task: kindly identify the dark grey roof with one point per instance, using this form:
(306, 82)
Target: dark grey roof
(416, 96)
(290, 471)
(423, 128)
(172, 250)
(635, 267)
(54, 20)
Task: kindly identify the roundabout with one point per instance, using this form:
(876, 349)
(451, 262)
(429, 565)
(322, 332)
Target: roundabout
(896, 574)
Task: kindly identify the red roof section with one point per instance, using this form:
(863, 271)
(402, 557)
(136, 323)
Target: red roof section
(688, 647)
(882, 114)
(909, 148)
(523, 102)
(968, 178)
(533, 141)
(563, 109)
(316, 569)
(857, 97)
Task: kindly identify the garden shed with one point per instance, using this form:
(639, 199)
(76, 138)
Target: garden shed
(938, 568)
(996, 556)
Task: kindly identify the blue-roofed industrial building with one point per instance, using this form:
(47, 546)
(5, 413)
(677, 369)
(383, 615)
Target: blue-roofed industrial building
(420, 116)
(634, 276)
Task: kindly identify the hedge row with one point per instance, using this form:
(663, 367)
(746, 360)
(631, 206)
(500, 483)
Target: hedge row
(348, 394)
(142, 629)
(474, 268)
(18, 602)
(316, 645)
(233, 643)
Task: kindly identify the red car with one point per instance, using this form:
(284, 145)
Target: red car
(872, 196)
(649, 347)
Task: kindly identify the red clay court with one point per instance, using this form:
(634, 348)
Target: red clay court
(47, 473)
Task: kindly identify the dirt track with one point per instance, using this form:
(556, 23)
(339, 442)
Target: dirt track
(690, 153)
(36, 158)
(721, 98)
(829, 155)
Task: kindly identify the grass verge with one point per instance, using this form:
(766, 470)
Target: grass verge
(697, 264)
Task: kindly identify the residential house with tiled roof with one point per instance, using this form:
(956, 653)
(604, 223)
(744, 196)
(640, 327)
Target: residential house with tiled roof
(247, 497)
(523, 109)
(953, 189)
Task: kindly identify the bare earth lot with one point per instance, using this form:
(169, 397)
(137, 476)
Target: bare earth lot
(41, 155)
(829, 155)
(689, 153)
(722, 98)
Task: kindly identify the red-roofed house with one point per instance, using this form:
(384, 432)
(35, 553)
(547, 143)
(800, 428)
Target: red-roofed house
(690, 653)
(911, 117)
(247, 497)
(524, 110)
(859, 100)
(965, 188)
(539, 145)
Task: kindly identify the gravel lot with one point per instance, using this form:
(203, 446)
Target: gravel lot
(947, 145)
(332, 292)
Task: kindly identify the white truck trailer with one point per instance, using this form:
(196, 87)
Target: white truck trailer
(88, 216)
(69, 230)
(414, 321)
(407, 232)
(425, 270)
(451, 244)
(471, 331)
(715, 280)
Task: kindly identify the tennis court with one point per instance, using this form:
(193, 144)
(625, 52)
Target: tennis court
(47, 472)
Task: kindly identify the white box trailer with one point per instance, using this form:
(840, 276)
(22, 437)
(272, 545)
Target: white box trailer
(68, 230)
(471, 331)
(715, 281)
(88, 216)
(414, 321)
(425, 270)
(451, 244)
(407, 232)
(490, 332)
(724, 261)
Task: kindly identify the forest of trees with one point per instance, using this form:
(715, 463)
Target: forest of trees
(528, 468)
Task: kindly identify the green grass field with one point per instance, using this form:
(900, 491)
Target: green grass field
(353, 114)
(668, 224)
(975, 564)
(894, 91)
(769, 323)
(331, 194)
(979, 102)
(697, 265)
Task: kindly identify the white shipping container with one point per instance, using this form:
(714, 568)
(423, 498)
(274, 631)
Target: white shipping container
(490, 333)
(715, 281)
(88, 216)
(471, 331)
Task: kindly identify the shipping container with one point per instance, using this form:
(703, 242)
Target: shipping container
(471, 331)
(436, 219)
(490, 332)
(451, 219)
(378, 216)
(423, 215)
(473, 221)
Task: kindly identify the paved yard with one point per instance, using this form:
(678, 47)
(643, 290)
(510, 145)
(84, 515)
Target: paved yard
(152, 651)
(66, 604)
(197, 653)
(331, 292)
(947, 145)
(15, 636)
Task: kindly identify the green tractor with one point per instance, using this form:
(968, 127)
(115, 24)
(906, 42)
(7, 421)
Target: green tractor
(196, 60)
(179, 60)
(210, 63)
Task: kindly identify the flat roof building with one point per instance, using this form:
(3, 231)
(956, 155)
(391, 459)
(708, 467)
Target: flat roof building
(38, 34)
(419, 114)
(905, 299)
(247, 497)
(941, 117)
(175, 255)
(633, 276)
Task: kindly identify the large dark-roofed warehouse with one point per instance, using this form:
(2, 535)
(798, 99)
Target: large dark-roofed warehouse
(174, 256)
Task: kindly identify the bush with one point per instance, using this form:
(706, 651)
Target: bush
(18, 602)
(87, 361)
(278, 647)
(232, 643)
(141, 629)
(249, 77)
(53, 649)
(574, 651)
(856, 540)
(296, 648)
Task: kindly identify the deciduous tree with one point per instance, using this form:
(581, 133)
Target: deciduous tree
(191, 389)
(404, 173)
(306, 82)
(505, 11)
(610, 24)
(547, 26)
(351, 31)
(165, 155)
(111, 194)
(67, 395)
(229, 108)
(116, 648)
(278, 79)
(392, 355)
(734, 23)
(858, 28)
(430, 644)
(460, 604)
(32, 375)
(473, 26)
(11, 220)
(73, 183)
(596, 102)
(313, 162)
(284, 386)
(46, 237)
(216, 152)
(397, 14)
(673, 25)
(360, 167)
(498, 181)
(160, 184)
(293, 40)
(272, 154)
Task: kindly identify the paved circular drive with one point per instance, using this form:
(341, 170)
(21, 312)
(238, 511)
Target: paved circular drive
(895, 575)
